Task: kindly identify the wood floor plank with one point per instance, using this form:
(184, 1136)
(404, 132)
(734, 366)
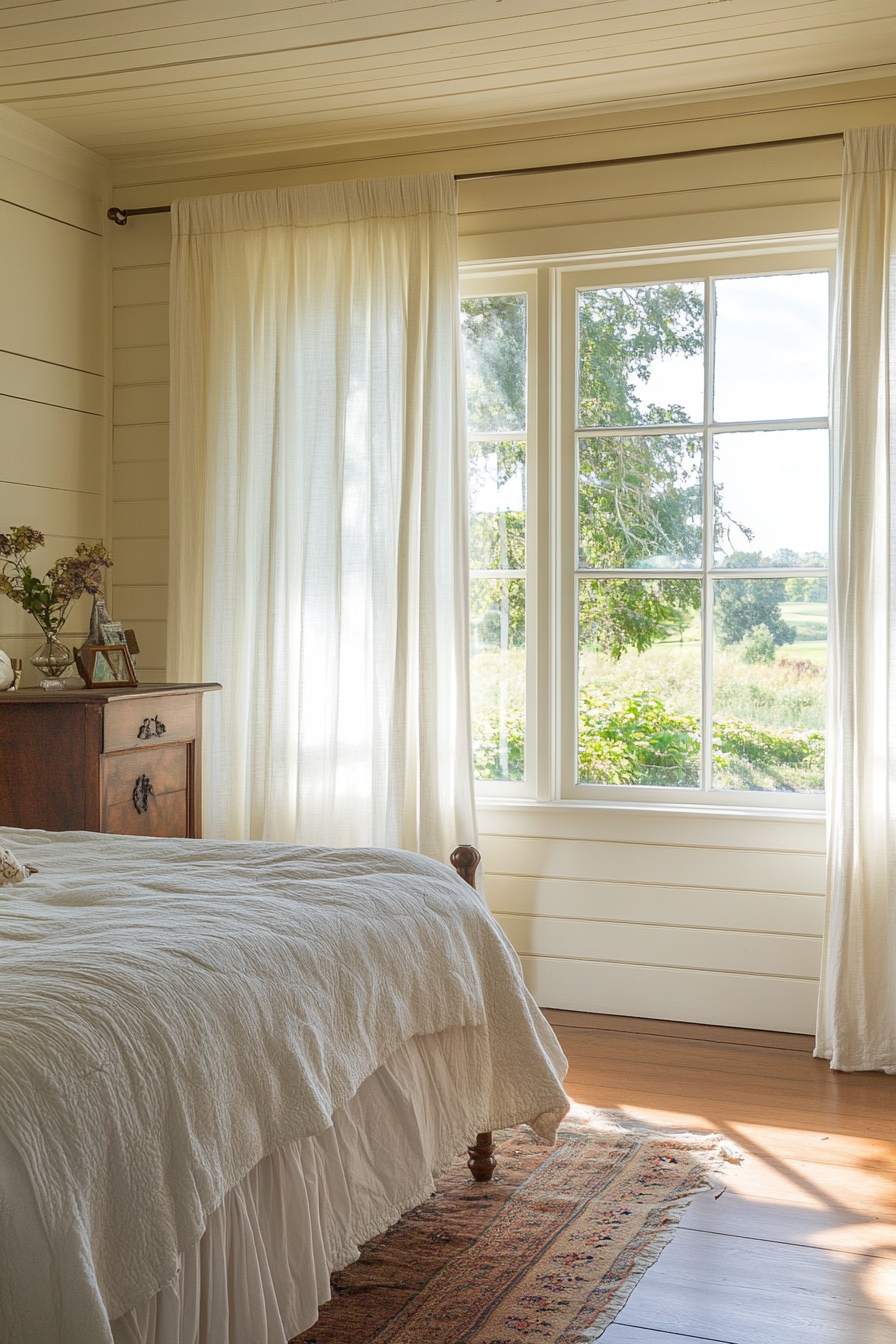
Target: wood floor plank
(629, 1334)
(795, 1246)
(755, 1292)
(732, 1214)
(711, 1056)
(727, 1085)
(718, 1114)
(691, 1031)
(756, 1315)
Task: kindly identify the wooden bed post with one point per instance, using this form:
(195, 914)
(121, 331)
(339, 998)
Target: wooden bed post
(482, 1160)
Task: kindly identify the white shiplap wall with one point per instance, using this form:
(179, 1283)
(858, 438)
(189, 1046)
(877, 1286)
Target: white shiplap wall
(53, 319)
(661, 913)
(665, 913)
(139, 494)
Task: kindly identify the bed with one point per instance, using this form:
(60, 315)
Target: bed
(223, 1066)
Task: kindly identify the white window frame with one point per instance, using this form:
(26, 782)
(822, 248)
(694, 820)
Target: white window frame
(500, 283)
(552, 563)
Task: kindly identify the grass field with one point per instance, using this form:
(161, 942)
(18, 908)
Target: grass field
(767, 716)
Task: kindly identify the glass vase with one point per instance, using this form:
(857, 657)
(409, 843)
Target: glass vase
(53, 659)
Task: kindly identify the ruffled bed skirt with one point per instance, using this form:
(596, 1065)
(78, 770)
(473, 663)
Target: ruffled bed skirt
(262, 1267)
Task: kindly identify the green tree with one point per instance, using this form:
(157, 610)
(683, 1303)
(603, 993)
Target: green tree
(621, 333)
(640, 497)
(620, 614)
(497, 537)
(498, 613)
(640, 501)
(743, 604)
(494, 333)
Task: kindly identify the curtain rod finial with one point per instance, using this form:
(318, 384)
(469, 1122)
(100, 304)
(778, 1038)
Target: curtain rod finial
(117, 215)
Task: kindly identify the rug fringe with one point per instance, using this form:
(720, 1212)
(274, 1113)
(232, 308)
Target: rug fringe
(714, 1151)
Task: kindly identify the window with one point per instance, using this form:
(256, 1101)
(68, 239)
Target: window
(684, 592)
(496, 345)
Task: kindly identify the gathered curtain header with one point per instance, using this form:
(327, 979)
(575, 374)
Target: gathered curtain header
(872, 150)
(316, 205)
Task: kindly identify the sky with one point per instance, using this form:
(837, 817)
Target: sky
(771, 362)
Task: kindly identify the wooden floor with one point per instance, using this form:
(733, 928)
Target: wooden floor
(797, 1245)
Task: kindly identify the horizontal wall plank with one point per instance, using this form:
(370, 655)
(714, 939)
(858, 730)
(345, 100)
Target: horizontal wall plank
(48, 195)
(687, 866)
(141, 364)
(607, 210)
(652, 825)
(140, 518)
(150, 675)
(140, 443)
(51, 447)
(140, 480)
(766, 1003)
(69, 514)
(659, 232)
(152, 638)
(140, 284)
(140, 324)
(35, 380)
(655, 945)
(769, 171)
(634, 903)
(143, 242)
(139, 561)
(143, 602)
(141, 404)
(60, 177)
(52, 296)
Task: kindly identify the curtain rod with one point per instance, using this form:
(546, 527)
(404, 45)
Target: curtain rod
(120, 216)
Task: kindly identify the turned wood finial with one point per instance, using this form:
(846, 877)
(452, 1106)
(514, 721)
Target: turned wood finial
(466, 859)
(482, 1160)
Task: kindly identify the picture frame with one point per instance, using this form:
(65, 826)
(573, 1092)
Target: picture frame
(108, 665)
(112, 633)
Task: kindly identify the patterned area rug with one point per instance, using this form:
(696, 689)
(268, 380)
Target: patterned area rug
(548, 1251)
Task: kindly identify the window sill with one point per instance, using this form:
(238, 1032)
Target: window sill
(493, 803)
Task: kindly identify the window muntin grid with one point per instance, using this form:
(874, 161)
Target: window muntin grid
(636, 564)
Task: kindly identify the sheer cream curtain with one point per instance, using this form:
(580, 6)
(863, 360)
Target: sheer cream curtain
(857, 1008)
(319, 511)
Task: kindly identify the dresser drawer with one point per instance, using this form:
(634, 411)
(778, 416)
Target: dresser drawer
(145, 792)
(133, 722)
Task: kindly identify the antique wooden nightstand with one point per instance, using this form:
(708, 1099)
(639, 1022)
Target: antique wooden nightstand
(123, 760)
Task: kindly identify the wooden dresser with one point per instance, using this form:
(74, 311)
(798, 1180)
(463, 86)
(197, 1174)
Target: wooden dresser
(124, 761)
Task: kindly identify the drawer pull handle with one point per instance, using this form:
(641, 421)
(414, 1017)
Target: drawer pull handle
(151, 728)
(143, 791)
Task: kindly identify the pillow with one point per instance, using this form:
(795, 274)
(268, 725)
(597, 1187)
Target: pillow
(11, 870)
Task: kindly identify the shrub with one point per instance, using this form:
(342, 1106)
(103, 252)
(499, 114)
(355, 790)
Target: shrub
(636, 741)
(758, 646)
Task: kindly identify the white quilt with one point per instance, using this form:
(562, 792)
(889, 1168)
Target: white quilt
(171, 1011)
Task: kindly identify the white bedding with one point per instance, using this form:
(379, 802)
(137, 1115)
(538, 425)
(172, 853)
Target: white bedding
(173, 1011)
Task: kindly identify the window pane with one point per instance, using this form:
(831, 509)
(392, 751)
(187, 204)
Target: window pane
(498, 677)
(769, 670)
(494, 330)
(640, 502)
(772, 498)
(640, 355)
(771, 347)
(498, 505)
(639, 682)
